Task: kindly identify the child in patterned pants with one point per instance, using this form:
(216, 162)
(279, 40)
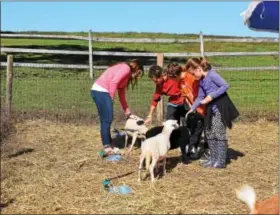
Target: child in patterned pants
(220, 109)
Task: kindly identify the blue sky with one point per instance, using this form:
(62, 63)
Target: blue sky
(216, 18)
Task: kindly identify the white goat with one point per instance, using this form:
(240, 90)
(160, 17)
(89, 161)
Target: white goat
(157, 147)
(135, 128)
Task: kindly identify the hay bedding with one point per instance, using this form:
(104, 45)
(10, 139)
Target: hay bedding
(63, 174)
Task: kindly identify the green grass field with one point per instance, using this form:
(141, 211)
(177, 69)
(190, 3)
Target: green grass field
(65, 93)
(137, 47)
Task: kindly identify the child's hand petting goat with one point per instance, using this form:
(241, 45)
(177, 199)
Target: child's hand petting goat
(157, 147)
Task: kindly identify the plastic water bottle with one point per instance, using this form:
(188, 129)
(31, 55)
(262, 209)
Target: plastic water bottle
(115, 157)
(124, 189)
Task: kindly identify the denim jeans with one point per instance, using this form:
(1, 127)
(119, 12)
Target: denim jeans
(104, 106)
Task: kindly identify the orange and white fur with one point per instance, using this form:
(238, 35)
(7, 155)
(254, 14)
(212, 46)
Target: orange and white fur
(268, 206)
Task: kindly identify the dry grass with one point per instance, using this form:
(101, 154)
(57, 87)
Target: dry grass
(63, 174)
(6, 126)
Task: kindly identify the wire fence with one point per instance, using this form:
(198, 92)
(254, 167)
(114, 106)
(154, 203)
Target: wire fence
(52, 73)
(64, 94)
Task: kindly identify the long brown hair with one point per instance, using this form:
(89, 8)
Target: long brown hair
(133, 64)
(194, 62)
(137, 70)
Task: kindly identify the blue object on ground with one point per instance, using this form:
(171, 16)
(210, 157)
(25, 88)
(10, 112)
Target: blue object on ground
(115, 157)
(124, 189)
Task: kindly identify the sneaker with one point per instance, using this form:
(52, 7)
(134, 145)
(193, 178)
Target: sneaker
(219, 165)
(208, 163)
(205, 156)
(108, 150)
(116, 150)
(213, 164)
(194, 155)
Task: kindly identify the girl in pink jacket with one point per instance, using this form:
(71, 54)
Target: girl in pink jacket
(117, 77)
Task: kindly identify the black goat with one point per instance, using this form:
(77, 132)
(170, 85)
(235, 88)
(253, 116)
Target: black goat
(186, 137)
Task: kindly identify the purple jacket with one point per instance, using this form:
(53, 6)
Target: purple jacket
(213, 85)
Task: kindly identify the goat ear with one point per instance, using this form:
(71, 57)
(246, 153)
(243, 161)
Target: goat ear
(140, 122)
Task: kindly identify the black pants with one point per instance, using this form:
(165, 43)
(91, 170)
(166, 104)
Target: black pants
(195, 124)
(175, 112)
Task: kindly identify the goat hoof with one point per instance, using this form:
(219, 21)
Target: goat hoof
(127, 153)
(121, 152)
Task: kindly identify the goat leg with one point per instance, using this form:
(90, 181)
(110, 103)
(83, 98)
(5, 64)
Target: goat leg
(152, 167)
(134, 137)
(164, 166)
(126, 140)
(157, 167)
(142, 157)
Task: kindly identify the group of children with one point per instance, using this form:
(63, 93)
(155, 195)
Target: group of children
(194, 87)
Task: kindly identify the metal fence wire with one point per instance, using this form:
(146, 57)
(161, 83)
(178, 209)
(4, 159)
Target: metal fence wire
(64, 94)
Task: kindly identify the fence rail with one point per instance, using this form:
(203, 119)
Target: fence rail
(135, 54)
(43, 36)
(144, 40)
(51, 65)
(80, 66)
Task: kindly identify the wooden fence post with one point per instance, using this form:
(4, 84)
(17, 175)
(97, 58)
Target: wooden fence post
(90, 55)
(160, 62)
(201, 44)
(9, 85)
